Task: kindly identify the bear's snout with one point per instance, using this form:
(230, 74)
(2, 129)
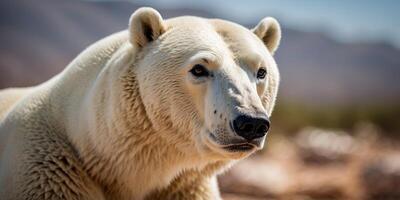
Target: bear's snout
(250, 127)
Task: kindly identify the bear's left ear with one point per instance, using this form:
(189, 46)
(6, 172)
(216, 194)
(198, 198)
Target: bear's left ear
(269, 31)
(145, 25)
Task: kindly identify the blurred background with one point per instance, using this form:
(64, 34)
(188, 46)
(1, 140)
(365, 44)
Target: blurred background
(335, 132)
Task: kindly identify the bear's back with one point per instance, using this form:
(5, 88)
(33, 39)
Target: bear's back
(9, 97)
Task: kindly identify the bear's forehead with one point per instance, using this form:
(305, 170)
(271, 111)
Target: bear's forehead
(219, 35)
(241, 41)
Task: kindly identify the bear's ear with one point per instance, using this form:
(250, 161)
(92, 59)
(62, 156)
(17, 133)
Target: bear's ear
(269, 31)
(145, 25)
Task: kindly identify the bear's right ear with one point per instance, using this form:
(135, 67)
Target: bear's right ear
(145, 25)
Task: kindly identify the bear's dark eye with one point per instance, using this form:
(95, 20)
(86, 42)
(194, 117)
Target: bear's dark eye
(261, 73)
(199, 71)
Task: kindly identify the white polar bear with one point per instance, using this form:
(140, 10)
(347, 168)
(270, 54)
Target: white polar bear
(154, 112)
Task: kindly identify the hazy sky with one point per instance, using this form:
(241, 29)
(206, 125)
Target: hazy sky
(343, 19)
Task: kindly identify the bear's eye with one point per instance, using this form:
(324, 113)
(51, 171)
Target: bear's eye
(199, 71)
(261, 73)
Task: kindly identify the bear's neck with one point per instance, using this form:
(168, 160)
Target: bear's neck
(116, 142)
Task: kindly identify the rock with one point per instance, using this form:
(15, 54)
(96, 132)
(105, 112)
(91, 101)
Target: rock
(317, 146)
(380, 177)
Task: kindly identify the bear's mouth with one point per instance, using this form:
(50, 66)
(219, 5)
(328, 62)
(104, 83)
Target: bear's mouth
(239, 147)
(235, 146)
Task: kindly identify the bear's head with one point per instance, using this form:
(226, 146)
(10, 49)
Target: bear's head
(209, 84)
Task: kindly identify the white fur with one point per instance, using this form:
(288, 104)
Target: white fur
(126, 119)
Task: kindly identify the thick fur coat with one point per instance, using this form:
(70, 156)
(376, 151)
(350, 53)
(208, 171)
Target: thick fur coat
(129, 119)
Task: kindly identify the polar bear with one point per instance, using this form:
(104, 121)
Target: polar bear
(153, 112)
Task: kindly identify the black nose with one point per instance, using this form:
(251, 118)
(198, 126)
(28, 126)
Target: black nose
(251, 127)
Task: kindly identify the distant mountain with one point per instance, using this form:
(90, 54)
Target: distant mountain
(317, 69)
(39, 38)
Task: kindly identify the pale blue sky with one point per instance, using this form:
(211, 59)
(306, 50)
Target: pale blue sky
(348, 20)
